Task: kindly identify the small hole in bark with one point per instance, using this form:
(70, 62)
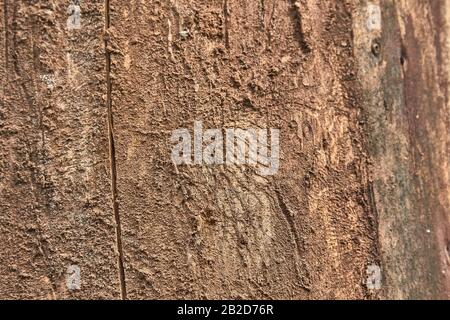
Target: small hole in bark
(403, 56)
(376, 48)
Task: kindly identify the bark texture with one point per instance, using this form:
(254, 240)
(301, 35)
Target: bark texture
(358, 89)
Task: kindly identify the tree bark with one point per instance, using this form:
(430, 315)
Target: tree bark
(358, 90)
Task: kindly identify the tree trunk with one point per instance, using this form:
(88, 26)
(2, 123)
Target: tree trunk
(93, 206)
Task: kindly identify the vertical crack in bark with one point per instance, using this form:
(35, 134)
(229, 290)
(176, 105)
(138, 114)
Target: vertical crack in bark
(290, 220)
(5, 30)
(262, 14)
(226, 24)
(112, 155)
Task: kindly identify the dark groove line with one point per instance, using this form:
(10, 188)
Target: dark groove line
(112, 155)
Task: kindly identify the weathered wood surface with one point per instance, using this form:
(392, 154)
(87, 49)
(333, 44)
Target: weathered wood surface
(358, 89)
(404, 71)
(211, 232)
(55, 198)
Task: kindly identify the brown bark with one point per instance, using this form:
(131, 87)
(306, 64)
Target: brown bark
(86, 177)
(54, 165)
(407, 114)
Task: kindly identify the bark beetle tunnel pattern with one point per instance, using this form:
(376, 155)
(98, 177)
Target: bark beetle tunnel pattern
(358, 90)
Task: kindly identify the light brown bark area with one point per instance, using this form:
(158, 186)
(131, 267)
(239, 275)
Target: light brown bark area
(54, 163)
(362, 180)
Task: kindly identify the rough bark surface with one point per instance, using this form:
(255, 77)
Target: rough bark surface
(56, 208)
(358, 89)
